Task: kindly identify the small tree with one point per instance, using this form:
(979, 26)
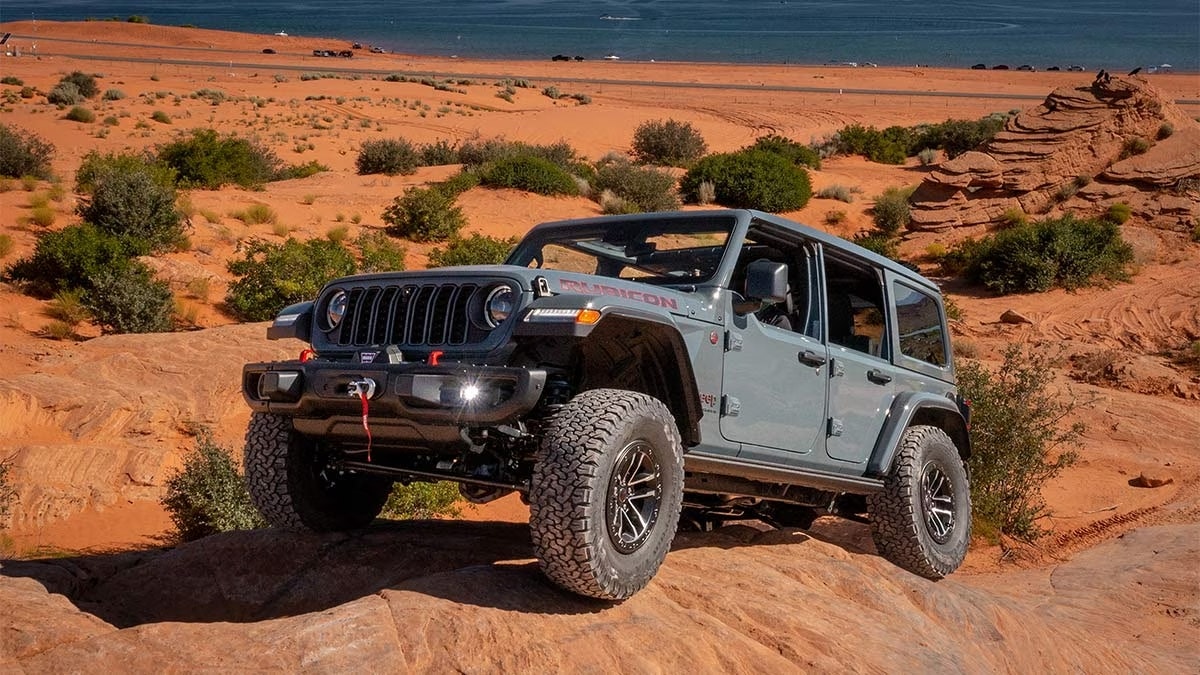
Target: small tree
(754, 179)
(130, 300)
(892, 212)
(207, 160)
(69, 258)
(796, 153)
(208, 495)
(24, 154)
(648, 189)
(424, 214)
(132, 199)
(273, 276)
(387, 156)
(1017, 439)
(668, 143)
(477, 249)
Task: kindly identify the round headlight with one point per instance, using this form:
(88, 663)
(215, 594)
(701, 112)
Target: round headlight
(498, 306)
(336, 309)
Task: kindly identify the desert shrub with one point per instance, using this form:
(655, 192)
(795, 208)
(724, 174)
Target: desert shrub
(207, 494)
(796, 153)
(424, 214)
(132, 199)
(458, 183)
(113, 95)
(477, 249)
(299, 170)
(207, 160)
(85, 84)
(668, 143)
(12, 80)
(418, 501)
(24, 154)
(438, 153)
(256, 214)
(64, 93)
(42, 216)
(1017, 439)
(1037, 257)
(1119, 213)
(6, 245)
(1196, 231)
(68, 258)
(1013, 217)
(706, 192)
(612, 205)
(955, 137)
(273, 276)
(1134, 146)
(95, 164)
(67, 306)
(8, 491)
(834, 217)
(838, 192)
(879, 242)
(891, 211)
(378, 252)
(753, 179)
(552, 92)
(927, 156)
(130, 300)
(80, 114)
(889, 146)
(391, 156)
(529, 173)
(476, 153)
(161, 117)
(645, 188)
(1165, 131)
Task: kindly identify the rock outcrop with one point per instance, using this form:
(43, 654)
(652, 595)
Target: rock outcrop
(1117, 140)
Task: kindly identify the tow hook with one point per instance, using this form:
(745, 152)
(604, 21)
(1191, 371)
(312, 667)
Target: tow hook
(363, 389)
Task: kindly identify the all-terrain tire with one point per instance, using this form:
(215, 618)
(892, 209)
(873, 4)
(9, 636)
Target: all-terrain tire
(921, 521)
(292, 487)
(596, 528)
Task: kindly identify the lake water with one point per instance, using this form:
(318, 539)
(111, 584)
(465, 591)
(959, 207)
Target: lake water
(1114, 34)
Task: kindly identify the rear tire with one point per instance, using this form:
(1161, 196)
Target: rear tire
(606, 493)
(293, 487)
(922, 519)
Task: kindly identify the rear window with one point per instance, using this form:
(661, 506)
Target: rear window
(919, 322)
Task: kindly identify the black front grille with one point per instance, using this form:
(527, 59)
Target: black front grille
(432, 315)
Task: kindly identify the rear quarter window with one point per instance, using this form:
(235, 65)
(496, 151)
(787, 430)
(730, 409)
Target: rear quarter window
(919, 325)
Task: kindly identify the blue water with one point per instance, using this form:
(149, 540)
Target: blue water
(1113, 34)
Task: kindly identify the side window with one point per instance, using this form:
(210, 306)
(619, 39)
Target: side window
(796, 312)
(854, 307)
(919, 324)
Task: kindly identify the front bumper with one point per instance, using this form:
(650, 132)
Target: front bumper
(449, 395)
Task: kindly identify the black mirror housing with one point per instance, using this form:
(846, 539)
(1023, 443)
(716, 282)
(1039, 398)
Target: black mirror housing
(766, 281)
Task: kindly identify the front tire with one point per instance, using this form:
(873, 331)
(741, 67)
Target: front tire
(293, 487)
(606, 493)
(922, 519)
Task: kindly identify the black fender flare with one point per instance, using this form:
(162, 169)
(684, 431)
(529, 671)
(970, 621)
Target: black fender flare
(915, 407)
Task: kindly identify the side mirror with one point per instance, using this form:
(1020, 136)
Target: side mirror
(766, 281)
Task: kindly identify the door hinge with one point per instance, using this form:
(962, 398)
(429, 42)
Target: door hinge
(730, 406)
(733, 341)
(835, 427)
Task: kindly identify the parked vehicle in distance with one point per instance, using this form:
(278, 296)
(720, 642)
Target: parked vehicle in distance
(560, 57)
(356, 45)
(268, 50)
(346, 54)
(378, 50)
(1000, 67)
(979, 66)
(1075, 69)
(627, 375)
(1053, 69)
(1026, 67)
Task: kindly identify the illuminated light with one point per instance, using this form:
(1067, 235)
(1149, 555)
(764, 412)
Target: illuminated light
(587, 316)
(307, 355)
(551, 315)
(469, 393)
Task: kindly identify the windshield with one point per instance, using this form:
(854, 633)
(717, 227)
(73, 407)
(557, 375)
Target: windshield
(677, 251)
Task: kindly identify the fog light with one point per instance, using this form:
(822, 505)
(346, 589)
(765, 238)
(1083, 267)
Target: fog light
(469, 393)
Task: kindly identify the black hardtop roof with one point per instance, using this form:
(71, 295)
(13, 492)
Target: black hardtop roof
(743, 216)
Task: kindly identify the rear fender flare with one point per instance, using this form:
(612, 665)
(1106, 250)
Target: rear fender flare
(911, 408)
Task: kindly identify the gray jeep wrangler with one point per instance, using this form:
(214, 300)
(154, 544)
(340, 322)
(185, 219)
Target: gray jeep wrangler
(626, 375)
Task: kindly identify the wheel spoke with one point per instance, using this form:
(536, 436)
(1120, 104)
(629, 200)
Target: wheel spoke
(634, 491)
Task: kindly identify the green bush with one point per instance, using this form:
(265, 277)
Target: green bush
(419, 501)
(1037, 257)
(668, 143)
(424, 214)
(879, 242)
(753, 179)
(477, 249)
(438, 153)
(68, 307)
(458, 183)
(1134, 146)
(476, 153)
(378, 252)
(273, 276)
(133, 199)
(64, 93)
(529, 173)
(85, 84)
(208, 495)
(24, 154)
(12, 80)
(80, 114)
(69, 258)
(160, 117)
(891, 211)
(647, 189)
(113, 95)
(300, 170)
(796, 153)
(1165, 131)
(1016, 437)
(890, 146)
(130, 300)
(1119, 213)
(391, 156)
(954, 137)
(256, 214)
(207, 160)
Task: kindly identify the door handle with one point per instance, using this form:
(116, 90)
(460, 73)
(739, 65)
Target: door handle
(811, 358)
(878, 377)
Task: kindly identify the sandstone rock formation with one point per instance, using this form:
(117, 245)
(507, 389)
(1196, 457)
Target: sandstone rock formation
(1072, 153)
(466, 597)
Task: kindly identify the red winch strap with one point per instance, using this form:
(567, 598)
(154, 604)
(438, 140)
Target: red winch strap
(366, 427)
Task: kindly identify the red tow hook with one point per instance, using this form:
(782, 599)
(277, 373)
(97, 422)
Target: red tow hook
(364, 389)
(434, 356)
